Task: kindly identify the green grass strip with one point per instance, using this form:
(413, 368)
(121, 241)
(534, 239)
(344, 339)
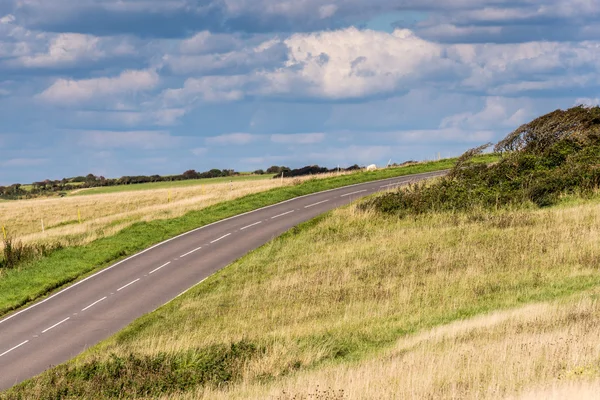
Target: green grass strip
(40, 277)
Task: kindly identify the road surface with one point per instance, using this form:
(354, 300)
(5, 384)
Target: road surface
(63, 325)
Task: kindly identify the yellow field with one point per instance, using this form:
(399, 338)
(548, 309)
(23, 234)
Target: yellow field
(105, 214)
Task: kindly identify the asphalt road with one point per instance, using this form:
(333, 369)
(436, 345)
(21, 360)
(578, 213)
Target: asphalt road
(62, 326)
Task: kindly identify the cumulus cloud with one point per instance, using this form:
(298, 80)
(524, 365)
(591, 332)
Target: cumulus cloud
(66, 48)
(267, 55)
(343, 64)
(353, 63)
(69, 91)
(497, 112)
(357, 64)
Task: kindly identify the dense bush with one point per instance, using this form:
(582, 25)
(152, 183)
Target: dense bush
(554, 154)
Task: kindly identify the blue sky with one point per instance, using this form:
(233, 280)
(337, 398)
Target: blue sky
(124, 87)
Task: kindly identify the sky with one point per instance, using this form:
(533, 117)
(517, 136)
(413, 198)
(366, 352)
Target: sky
(143, 87)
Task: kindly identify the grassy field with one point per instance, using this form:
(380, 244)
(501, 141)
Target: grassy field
(168, 185)
(358, 305)
(100, 241)
(103, 214)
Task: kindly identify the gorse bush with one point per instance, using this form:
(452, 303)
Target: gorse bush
(555, 154)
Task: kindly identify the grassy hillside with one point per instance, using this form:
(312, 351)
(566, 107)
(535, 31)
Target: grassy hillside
(481, 285)
(55, 268)
(360, 305)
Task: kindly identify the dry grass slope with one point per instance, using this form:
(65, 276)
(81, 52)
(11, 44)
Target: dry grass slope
(359, 306)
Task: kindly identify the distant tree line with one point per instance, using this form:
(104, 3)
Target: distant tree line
(17, 190)
(308, 170)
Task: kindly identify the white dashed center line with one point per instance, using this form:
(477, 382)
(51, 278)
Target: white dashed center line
(14, 348)
(193, 251)
(55, 325)
(93, 304)
(222, 237)
(281, 215)
(316, 204)
(350, 194)
(130, 283)
(250, 226)
(162, 266)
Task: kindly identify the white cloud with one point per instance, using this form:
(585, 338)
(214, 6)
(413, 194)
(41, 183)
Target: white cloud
(66, 48)
(298, 138)
(353, 63)
(7, 19)
(232, 139)
(207, 42)
(146, 140)
(498, 112)
(68, 91)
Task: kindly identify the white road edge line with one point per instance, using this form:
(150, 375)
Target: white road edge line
(350, 194)
(55, 325)
(14, 348)
(94, 303)
(250, 226)
(316, 204)
(162, 266)
(222, 237)
(129, 284)
(193, 251)
(432, 174)
(281, 215)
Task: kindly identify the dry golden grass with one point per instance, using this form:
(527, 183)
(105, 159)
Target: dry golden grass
(105, 214)
(548, 351)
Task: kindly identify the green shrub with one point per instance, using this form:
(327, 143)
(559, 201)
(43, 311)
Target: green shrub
(555, 154)
(143, 376)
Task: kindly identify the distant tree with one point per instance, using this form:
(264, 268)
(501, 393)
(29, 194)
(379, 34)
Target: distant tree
(190, 174)
(274, 169)
(259, 172)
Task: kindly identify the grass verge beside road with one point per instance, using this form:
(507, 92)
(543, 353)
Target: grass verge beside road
(40, 277)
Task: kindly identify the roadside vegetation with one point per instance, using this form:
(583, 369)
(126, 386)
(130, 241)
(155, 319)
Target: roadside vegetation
(486, 301)
(71, 250)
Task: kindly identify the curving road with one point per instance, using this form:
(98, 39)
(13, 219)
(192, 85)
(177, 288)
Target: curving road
(60, 327)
